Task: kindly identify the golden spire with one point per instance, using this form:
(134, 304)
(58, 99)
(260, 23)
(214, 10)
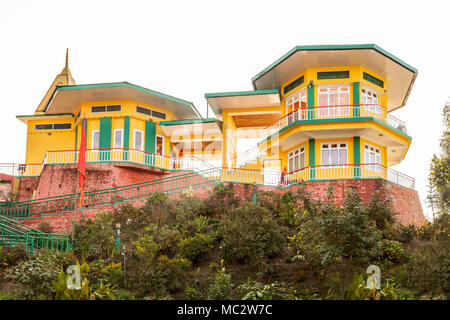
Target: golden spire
(66, 67)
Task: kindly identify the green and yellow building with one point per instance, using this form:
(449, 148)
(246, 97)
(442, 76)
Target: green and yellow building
(318, 113)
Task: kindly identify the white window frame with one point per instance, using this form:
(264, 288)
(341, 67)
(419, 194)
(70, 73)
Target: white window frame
(372, 107)
(296, 154)
(339, 165)
(121, 144)
(134, 139)
(156, 144)
(297, 96)
(92, 140)
(336, 110)
(373, 165)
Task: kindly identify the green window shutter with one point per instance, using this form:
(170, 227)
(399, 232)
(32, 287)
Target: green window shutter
(150, 137)
(126, 136)
(356, 99)
(310, 101)
(105, 138)
(357, 156)
(312, 158)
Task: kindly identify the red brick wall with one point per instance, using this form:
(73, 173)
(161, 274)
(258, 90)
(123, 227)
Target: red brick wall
(404, 201)
(26, 187)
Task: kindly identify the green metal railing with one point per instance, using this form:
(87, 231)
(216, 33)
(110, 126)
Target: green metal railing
(13, 232)
(111, 196)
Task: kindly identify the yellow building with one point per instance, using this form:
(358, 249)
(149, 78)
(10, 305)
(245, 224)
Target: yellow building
(318, 112)
(321, 112)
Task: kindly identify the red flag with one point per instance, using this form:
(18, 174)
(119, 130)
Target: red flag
(81, 162)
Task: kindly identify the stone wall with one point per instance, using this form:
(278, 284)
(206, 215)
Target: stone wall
(404, 201)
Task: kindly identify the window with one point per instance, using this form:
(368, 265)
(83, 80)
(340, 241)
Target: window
(138, 140)
(112, 108)
(118, 138)
(53, 126)
(334, 101)
(158, 114)
(151, 113)
(334, 153)
(159, 145)
(372, 157)
(370, 99)
(296, 159)
(95, 139)
(293, 103)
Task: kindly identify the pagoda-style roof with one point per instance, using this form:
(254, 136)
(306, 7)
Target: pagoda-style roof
(400, 76)
(66, 99)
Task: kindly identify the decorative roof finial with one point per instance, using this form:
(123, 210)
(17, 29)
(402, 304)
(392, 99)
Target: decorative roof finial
(67, 58)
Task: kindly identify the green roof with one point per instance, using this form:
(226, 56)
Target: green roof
(335, 47)
(240, 93)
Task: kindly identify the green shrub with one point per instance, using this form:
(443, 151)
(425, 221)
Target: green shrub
(221, 201)
(389, 291)
(251, 235)
(95, 239)
(221, 287)
(37, 273)
(45, 227)
(168, 240)
(17, 254)
(254, 290)
(196, 247)
(390, 252)
(157, 276)
(428, 268)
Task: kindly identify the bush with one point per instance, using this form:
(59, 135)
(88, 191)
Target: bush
(157, 276)
(17, 254)
(390, 252)
(196, 247)
(253, 290)
(251, 234)
(428, 268)
(328, 234)
(38, 273)
(95, 239)
(221, 201)
(389, 291)
(45, 227)
(221, 287)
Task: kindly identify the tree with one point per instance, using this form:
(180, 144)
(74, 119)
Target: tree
(439, 177)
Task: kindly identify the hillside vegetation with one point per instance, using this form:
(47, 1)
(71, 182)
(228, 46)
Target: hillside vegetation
(286, 246)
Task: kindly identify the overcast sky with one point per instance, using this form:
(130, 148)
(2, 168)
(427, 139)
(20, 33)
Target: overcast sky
(189, 48)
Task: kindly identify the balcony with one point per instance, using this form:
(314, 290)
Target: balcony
(350, 112)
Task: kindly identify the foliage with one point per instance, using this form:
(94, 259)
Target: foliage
(62, 292)
(17, 254)
(439, 177)
(390, 252)
(254, 290)
(357, 290)
(329, 234)
(37, 273)
(95, 239)
(44, 226)
(428, 268)
(158, 276)
(221, 287)
(251, 234)
(196, 247)
(221, 200)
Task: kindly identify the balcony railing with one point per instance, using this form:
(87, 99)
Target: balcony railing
(338, 112)
(20, 170)
(348, 171)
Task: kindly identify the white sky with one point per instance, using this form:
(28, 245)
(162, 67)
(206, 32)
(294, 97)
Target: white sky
(189, 48)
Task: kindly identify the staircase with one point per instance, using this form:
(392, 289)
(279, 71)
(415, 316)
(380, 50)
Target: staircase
(13, 232)
(33, 209)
